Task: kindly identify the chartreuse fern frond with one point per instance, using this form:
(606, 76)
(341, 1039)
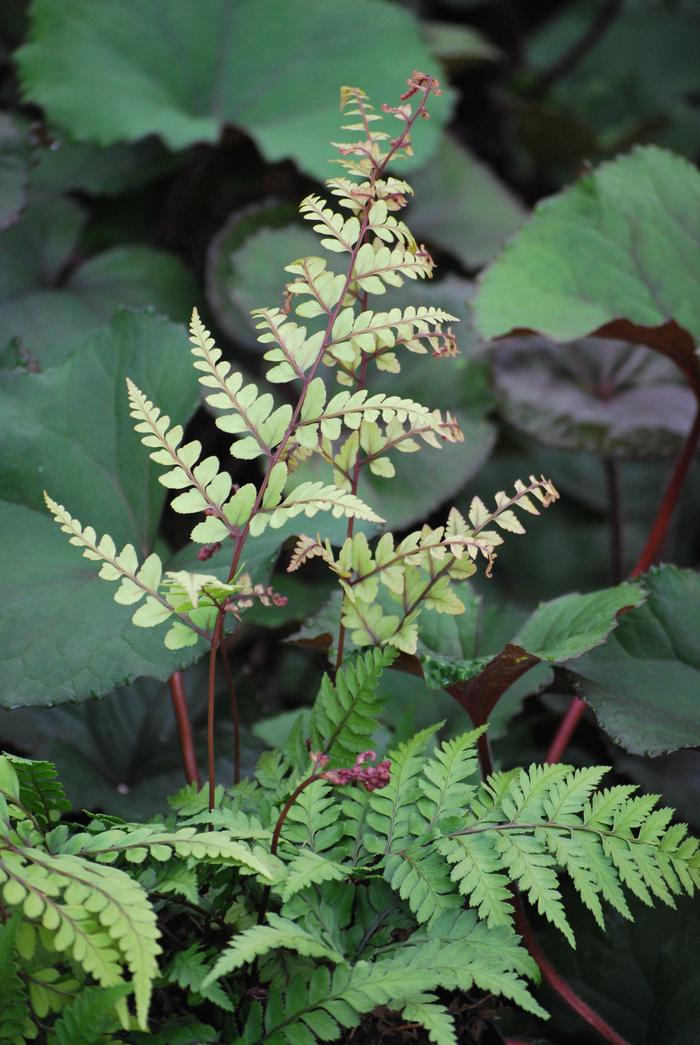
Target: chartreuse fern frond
(191, 598)
(417, 572)
(137, 842)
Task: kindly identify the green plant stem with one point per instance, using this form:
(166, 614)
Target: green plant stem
(649, 554)
(234, 714)
(184, 728)
(278, 831)
(211, 707)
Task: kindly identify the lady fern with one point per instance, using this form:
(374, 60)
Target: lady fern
(334, 329)
(308, 876)
(332, 883)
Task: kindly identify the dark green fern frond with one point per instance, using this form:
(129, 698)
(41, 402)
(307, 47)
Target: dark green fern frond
(344, 717)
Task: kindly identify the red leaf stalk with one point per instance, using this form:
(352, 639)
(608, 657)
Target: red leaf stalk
(184, 728)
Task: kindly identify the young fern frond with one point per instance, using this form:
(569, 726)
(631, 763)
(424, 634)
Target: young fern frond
(204, 486)
(246, 411)
(193, 599)
(418, 572)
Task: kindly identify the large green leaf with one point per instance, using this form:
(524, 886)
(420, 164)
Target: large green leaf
(69, 166)
(245, 265)
(185, 71)
(122, 754)
(461, 206)
(641, 976)
(456, 657)
(617, 254)
(68, 430)
(51, 306)
(602, 396)
(644, 684)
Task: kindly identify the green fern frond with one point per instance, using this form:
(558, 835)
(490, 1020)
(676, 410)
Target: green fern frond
(90, 1018)
(280, 933)
(189, 969)
(308, 868)
(313, 820)
(432, 1017)
(391, 807)
(444, 787)
(344, 715)
(547, 819)
(15, 1025)
(40, 791)
(422, 878)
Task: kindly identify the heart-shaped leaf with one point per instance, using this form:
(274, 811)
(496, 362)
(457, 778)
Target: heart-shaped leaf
(49, 322)
(557, 631)
(644, 684)
(185, 71)
(615, 254)
(602, 396)
(461, 206)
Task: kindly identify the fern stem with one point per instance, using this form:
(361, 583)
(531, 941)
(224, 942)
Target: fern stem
(396, 145)
(235, 717)
(559, 985)
(211, 701)
(184, 728)
(649, 554)
(278, 831)
(362, 378)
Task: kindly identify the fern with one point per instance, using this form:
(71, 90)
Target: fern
(345, 713)
(14, 1025)
(308, 868)
(40, 791)
(89, 1019)
(279, 933)
(345, 883)
(350, 430)
(346, 867)
(189, 969)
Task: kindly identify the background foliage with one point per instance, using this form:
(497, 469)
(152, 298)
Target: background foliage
(151, 159)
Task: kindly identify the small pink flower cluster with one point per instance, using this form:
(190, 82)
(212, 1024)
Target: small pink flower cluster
(371, 777)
